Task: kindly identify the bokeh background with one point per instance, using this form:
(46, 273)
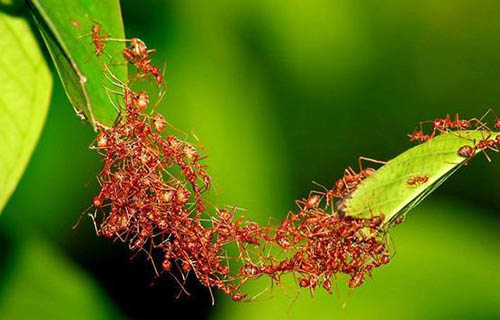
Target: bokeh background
(280, 93)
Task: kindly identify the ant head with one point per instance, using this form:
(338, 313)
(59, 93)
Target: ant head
(497, 123)
(304, 283)
(159, 122)
(102, 140)
(367, 172)
(166, 265)
(225, 215)
(142, 100)
(438, 123)
(97, 201)
(464, 124)
(238, 296)
(313, 201)
(139, 48)
(466, 151)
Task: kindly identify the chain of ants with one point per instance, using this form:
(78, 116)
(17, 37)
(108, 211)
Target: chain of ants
(152, 189)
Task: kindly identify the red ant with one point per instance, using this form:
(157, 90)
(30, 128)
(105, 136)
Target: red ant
(137, 53)
(461, 124)
(489, 144)
(398, 220)
(351, 179)
(417, 180)
(98, 37)
(442, 125)
(469, 152)
(419, 136)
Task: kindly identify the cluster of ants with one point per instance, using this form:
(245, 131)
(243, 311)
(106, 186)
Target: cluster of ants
(446, 125)
(137, 53)
(152, 188)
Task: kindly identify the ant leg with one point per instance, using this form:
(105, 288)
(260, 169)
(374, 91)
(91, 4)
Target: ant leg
(88, 56)
(157, 103)
(118, 108)
(118, 40)
(80, 36)
(186, 136)
(93, 217)
(108, 55)
(329, 199)
(94, 20)
(162, 91)
(117, 63)
(80, 218)
(211, 295)
(112, 78)
(490, 110)
(480, 124)
(112, 91)
(350, 171)
(179, 283)
(427, 121)
(254, 298)
(486, 155)
(368, 160)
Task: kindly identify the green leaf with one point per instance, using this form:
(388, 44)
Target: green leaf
(25, 86)
(66, 30)
(388, 192)
(40, 283)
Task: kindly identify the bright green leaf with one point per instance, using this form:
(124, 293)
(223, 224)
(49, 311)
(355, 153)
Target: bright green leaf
(66, 29)
(42, 284)
(25, 86)
(388, 192)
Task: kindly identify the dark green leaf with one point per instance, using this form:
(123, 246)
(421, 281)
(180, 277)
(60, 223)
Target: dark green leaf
(66, 29)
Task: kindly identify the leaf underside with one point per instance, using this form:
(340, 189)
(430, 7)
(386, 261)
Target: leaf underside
(26, 85)
(65, 28)
(388, 192)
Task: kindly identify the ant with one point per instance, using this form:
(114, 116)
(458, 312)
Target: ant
(489, 144)
(417, 180)
(442, 125)
(138, 54)
(348, 183)
(469, 152)
(98, 37)
(351, 179)
(419, 136)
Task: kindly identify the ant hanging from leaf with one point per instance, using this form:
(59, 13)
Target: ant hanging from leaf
(99, 37)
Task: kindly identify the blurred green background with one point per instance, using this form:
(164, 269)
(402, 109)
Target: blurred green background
(280, 93)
